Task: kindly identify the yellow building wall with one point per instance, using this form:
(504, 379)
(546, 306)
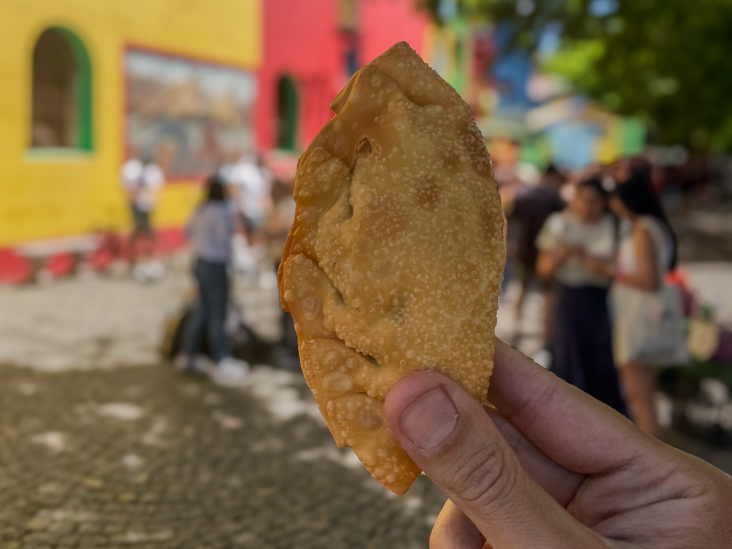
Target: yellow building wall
(44, 194)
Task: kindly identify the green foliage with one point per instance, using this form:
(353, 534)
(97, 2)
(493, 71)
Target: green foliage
(578, 62)
(664, 61)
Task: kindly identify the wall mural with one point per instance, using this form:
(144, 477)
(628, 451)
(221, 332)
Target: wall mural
(190, 116)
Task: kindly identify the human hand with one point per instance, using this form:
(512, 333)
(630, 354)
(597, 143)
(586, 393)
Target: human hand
(598, 266)
(548, 467)
(563, 251)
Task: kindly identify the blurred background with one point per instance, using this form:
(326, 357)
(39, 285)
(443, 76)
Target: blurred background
(113, 114)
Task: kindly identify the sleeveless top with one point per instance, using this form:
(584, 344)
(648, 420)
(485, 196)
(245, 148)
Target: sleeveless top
(648, 326)
(662, 246)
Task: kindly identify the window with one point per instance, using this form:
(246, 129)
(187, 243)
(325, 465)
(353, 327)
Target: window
(61, 92)
(287, 107)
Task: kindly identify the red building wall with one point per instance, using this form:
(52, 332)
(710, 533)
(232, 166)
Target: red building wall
(383, 23)
(302, 40)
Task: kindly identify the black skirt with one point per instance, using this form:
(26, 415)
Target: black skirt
(580, 341)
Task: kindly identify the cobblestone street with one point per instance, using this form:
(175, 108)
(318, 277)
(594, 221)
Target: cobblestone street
(143, 457)
(103, 446)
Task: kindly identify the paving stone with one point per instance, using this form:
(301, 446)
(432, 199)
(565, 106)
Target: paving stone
(249, 499)
(172, 476)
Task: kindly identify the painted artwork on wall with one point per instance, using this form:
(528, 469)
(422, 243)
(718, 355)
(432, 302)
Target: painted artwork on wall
(190, 116)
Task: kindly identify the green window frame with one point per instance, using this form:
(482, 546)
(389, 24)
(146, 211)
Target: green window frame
(287, 113)
(81, 92)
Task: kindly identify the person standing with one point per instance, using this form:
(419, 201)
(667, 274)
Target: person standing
(251, 183)
(277, 229)
(531, 209)
(576, 251)
(142, 180)
(647, 253)
(209, 231)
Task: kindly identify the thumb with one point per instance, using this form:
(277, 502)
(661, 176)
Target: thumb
(449, 435)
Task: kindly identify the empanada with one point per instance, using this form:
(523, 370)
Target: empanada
(395, 259)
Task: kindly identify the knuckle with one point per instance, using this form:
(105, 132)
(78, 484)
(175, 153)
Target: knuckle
(482, 477)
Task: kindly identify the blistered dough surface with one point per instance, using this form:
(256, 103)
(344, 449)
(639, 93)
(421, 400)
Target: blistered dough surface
(395, 259)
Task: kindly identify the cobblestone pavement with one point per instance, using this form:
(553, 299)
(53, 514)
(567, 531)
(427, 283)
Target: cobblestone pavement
(143, 457)
(104, 322)
(95, 453)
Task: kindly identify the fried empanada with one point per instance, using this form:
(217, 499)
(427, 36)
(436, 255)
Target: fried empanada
(395, 259)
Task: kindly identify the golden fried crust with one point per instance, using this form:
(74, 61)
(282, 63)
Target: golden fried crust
(395, 258)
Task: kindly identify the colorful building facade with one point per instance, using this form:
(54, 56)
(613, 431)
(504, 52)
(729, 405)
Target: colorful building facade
(191, 84)
(312, 48)
(88, 83)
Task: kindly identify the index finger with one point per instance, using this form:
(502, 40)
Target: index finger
(569, 426)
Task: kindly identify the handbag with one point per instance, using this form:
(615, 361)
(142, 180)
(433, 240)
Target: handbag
(650, 327)
(703, 339)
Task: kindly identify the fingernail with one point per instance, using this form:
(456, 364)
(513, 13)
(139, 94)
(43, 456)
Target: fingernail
(430, 419)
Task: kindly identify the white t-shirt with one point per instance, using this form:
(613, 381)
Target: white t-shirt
(597, 239)
(144, 181)
(254, 188)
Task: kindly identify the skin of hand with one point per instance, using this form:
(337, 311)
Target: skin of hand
(549, 260)
(545, 466)
(599, 266)
(566, 250)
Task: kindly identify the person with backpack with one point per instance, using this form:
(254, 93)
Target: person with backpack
(210, 231)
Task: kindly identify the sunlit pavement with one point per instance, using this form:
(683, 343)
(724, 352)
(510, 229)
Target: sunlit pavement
(104, 446)
(108, 321)
(146, 458)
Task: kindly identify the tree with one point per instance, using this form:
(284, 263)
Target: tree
(665, 61)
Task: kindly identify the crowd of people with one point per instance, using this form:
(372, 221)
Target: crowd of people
(599, 247)
(597, 244)
(243, 198)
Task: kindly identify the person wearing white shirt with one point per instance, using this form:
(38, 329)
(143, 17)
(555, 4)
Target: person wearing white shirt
(209, 232)
(576, 251)
(251, 184)
(142, 181)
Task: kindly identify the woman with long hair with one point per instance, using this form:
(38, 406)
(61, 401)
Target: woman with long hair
(576, 252)
(647, 253)
(209, 231)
